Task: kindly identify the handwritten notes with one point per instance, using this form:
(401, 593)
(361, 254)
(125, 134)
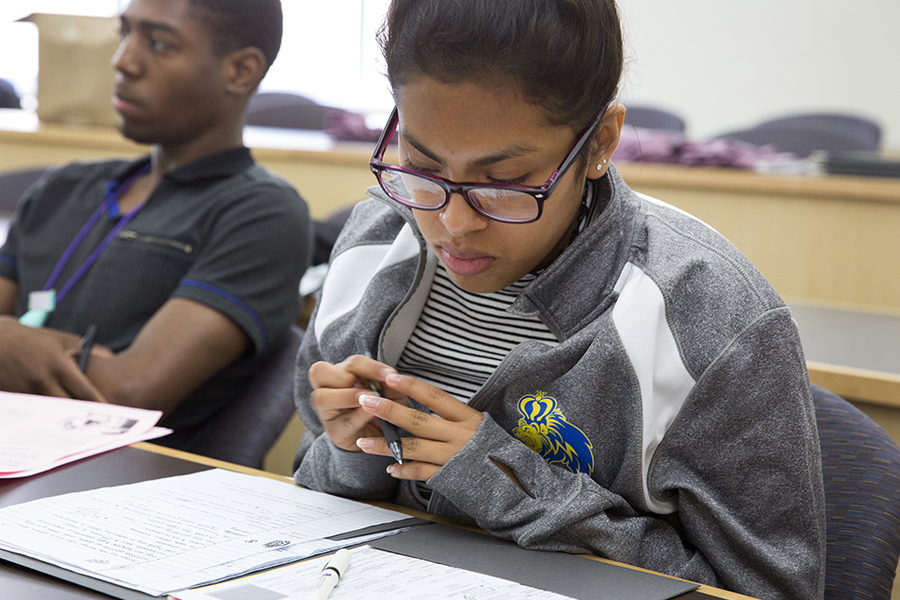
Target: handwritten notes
(373, 575)
(38, 433)
(179, 532)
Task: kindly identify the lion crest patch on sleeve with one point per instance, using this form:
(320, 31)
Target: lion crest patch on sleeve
(544, 428)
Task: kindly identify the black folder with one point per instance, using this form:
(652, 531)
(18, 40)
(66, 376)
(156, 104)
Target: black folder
(567, 574)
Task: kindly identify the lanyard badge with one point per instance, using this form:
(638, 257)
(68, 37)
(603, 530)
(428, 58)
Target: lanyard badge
(42, 303)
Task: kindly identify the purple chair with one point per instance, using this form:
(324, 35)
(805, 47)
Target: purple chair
(647, 117)
(285, 110)
(8, 96)
(245, 430)
(804, 134)
(864, 130)
(861, 472)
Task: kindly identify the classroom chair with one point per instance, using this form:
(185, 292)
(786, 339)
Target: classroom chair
(285, 110)
(861, 472)
(653, 118)
(245, 430)
(804, 134)
(8, 96)
(864, 130)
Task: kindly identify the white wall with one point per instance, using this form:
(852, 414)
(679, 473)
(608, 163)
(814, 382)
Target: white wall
(722, 64)
(725, 64)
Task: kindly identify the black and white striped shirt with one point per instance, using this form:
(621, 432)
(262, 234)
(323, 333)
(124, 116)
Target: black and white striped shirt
(462, 337)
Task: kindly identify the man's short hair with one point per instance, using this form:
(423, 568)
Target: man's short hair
(237, 24)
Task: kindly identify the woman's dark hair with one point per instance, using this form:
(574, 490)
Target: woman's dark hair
(564, 56)
(237, 24)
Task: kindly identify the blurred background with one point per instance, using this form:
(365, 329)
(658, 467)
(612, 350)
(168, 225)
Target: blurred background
(721, 65)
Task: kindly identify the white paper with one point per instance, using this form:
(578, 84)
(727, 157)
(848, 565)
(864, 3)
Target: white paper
(178, 532)
(38, 433)
(373, 575)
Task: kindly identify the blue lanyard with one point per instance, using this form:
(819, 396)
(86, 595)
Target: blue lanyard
(114, 191)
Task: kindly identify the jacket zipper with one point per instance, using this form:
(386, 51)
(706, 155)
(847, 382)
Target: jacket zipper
(134, 236)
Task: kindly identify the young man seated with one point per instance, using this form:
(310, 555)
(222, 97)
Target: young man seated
(187, 260)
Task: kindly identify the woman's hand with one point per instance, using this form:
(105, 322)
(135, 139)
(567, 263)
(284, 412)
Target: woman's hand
(436, 438)
(335, 398)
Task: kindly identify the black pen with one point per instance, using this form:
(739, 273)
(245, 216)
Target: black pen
(391, 435)
(83, 351)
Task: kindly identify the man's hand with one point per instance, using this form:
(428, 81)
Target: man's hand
(436, 438)
(38, 361)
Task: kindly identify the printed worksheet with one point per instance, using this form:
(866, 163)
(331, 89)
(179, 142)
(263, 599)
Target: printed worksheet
(373, 575)
(178, 532)
(38, 433)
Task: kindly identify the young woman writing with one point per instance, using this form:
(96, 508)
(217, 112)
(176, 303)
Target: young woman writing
(577, 367)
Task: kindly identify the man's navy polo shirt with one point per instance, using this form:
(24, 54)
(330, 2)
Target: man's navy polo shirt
(221, 231)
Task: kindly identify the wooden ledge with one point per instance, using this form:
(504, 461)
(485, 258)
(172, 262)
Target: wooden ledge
(874, 387)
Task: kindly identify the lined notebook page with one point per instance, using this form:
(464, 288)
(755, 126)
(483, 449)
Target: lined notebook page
(177, 532)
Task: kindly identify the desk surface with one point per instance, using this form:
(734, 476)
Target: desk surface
(130, 465)
(862, 339)
(854, 352)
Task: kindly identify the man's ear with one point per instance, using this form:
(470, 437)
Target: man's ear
(607, 138)
(244, 69)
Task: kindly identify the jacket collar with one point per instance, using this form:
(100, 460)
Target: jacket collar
(580, 284)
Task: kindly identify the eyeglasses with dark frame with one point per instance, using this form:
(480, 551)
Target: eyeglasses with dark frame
(502, 202)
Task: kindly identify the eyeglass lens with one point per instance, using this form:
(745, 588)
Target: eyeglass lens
(419, 192)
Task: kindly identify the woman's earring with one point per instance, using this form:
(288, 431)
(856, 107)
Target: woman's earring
(601, 165)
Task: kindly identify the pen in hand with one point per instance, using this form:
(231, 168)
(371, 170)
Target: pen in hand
(83, 351)
(331, 574)
(391, 435)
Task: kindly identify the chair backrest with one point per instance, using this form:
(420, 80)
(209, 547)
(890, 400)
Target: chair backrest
(285, 110)
(861, 471)
(804, 134)
(245, 430)
(798, 140)
(865, 130)
(653, 118)
(8, 96)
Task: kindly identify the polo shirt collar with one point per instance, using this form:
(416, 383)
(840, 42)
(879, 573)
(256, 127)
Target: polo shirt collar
(221, 164)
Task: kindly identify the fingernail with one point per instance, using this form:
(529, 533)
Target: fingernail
(365, 443)
(391, 469)
(370, 401)
(392, 378)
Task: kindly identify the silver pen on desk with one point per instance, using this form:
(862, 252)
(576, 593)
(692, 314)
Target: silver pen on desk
(391, 434)
(331, 574)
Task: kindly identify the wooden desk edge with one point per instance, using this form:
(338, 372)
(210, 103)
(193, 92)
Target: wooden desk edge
(210, 462)
(874, 387)
(221, 464)
(845, 187)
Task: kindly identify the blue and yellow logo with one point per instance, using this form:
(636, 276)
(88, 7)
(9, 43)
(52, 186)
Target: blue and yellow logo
(544, 429)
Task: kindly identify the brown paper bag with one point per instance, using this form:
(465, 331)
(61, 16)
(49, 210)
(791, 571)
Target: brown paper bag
(75, 78)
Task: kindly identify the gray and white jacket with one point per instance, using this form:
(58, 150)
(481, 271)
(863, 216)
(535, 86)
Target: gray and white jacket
(671, 428)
